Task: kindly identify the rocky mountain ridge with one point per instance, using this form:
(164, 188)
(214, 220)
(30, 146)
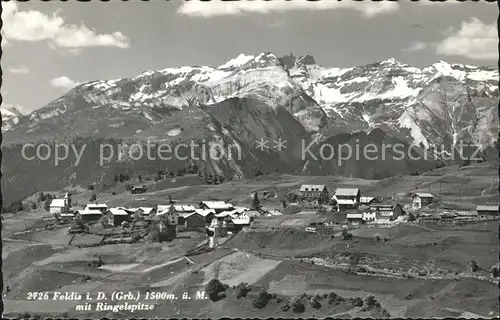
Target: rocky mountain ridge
(439, 104)
(261, 98)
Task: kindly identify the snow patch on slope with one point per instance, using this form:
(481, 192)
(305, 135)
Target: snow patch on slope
(406, 121)
(174, 132)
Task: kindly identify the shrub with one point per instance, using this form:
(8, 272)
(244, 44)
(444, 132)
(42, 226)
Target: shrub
(93, 197)
(411, 217)
(221, 295)
(41, 197)
(362, 270)
(297, 305)
(346, 235)
(377, 238)
(386, 313)
(91, 187)
(242, 290)
(370, 300)
(285, 306)
(332, 296)
(314, 302)
(213, 288)
(261, 300)
(357, 302)
(495, 272)
(473, 266)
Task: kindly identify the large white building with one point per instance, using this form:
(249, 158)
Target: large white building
(60, 206)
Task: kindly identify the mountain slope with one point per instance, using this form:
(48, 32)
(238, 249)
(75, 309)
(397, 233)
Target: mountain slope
(250, 98)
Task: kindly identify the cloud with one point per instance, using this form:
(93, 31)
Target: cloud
(19, 70)
(65, 51)
(64, 83)
(474, 40)
(219, 8)
(31, 25)
(416, 46)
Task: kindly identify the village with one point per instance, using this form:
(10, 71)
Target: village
(269, 232)
(345, 208)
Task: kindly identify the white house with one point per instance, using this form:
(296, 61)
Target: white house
(218, 206)
(242, 220)
(347, 198)
(369, 216)
(90, 214)
(422, 199)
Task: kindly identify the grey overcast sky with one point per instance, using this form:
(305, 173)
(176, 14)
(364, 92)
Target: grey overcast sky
(51, 46)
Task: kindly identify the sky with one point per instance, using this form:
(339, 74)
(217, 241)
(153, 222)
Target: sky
(49, 47)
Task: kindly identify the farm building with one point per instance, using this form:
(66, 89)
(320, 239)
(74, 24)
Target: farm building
(88, 215)
(218, 206)
(487, 210)
(314, 192)
(347, 198)
(171, 215)
(466, 213)
(103, 208)
(191, 221)
(422, 199)
(138, 189)
(387, 211)
(117, 216)
(366, 201)
(208, 214)
(145, 211)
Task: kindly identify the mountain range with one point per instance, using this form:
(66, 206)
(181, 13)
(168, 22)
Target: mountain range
(253, 97)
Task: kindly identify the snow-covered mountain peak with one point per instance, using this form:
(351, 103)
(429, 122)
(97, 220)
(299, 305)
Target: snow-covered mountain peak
(387, 94)
(391, 62)
(239, 61)
(10, 111)
(10, 116)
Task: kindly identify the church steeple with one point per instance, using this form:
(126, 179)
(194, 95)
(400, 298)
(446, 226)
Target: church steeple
(67, 201)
